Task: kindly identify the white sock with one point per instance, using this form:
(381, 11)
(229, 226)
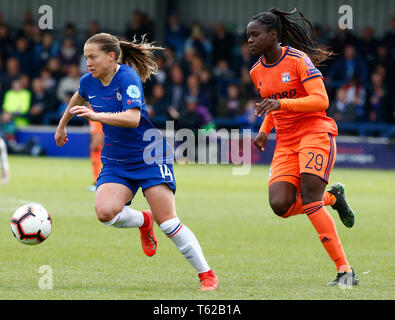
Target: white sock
(127, 218)
(186, 242)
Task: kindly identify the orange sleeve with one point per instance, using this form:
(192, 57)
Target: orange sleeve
(316, 99)
(267, 124)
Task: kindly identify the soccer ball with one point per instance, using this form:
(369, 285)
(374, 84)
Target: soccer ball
(31, 224)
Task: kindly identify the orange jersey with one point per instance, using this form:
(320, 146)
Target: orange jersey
(298, 85)
(95, 126)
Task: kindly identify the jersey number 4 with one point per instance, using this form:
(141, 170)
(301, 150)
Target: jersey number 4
(165, 172)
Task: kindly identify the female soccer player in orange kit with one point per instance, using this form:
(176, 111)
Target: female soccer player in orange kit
(294, 102)
(96, 146)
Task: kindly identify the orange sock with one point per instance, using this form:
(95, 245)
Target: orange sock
(329, 199)
(296, 208)
(96, 162)
(326, 229)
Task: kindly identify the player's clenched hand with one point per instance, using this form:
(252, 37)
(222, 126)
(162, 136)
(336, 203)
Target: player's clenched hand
(260, 141)
(82, 111)
(266, 106)
(61, 136)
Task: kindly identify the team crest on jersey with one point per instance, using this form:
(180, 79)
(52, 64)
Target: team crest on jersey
(119, 96)
(133, 91)
(285, 77)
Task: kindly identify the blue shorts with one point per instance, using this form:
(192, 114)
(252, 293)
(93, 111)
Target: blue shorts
(135, 177)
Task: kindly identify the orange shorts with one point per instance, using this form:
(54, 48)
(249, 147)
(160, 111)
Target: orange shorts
(314, 154)
(95, 127)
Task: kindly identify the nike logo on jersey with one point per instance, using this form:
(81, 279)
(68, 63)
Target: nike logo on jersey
(91, 97)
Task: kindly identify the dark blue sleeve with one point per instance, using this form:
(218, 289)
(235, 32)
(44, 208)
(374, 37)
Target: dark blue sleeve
(82, 88)
(131, 91)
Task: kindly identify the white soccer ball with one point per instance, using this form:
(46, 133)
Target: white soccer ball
(31, 224)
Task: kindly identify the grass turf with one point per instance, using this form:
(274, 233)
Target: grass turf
(255, 254)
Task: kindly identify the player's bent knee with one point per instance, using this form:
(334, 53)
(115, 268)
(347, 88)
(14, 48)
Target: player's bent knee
(106, 213)
(280, 207)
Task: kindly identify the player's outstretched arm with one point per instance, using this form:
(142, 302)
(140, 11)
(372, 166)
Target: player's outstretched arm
(61, 135)
(129, 118)
(316, 99)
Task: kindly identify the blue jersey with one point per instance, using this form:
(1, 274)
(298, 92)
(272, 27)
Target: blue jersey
(124, 147)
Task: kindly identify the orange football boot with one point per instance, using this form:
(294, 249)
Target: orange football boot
(208, 280)
(147, 235)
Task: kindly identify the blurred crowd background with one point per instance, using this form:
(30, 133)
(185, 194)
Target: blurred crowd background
(203, 79)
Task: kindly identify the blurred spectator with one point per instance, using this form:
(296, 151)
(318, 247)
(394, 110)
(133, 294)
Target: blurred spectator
(379, 104)
(12, 72)
(69, 83)
(194, 90)
(383, 58)
(249, 118)
(389, 37)
(54, 67)
(342, 38)
(8, 127)
(17, 103)
(170, 57)
(223, 42)
(176, 35)
(48, 82)
(161, 75)
(26, 29)
(53, 117)
(196, 67)
(346, 67)
(43, 101)
(45, 50)
(247, 87)
(68, 54)
(24, 55)
(176, 91)
(93, 28)
(158, 106)
(243, 58)
(139, 26)
(232, 105)
(190, 117)
(70, 32)
(349, 103)
(6, 43)
(223, 76)
(367, 45)
(320, 35)
(25, 81)
(159, 78)
(189, 55)
(198, 41)
(209, 86)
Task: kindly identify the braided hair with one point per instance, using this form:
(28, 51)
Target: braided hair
(291, 33)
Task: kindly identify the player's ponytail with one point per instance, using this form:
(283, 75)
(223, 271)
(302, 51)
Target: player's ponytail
(138, 55)
(292, 34)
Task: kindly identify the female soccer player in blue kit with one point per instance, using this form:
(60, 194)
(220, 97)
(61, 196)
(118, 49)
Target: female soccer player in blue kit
(113, 87)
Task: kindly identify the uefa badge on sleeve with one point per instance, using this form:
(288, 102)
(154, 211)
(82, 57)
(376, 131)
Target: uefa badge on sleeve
(133, 91)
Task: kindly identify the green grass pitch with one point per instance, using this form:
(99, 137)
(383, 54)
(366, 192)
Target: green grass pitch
(255, 254)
